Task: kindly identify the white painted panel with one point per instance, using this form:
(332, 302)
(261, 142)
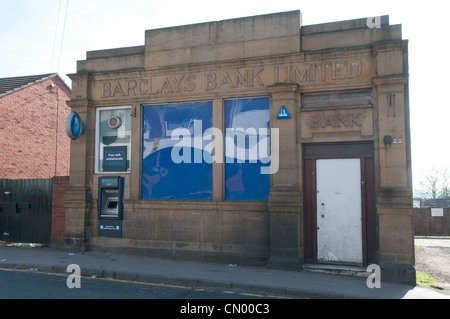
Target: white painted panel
(339, 225)
(437, 212)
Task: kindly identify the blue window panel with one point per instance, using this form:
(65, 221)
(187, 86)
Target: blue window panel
(163, 177)
(243, 161)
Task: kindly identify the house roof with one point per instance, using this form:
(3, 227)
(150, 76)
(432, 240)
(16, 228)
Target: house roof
(437, 202)
(13, 84)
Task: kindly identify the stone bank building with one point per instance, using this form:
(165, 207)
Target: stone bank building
(253, 141)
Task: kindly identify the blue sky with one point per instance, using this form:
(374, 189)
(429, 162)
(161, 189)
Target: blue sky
(31, 34)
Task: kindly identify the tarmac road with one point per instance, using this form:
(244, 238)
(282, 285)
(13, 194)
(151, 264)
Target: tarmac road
(30, 284)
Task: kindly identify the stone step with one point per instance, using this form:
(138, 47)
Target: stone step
(338, 269)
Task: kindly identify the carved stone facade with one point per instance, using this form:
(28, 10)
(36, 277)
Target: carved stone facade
(345, 88)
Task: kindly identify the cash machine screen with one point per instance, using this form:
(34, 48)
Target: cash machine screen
(110, 203)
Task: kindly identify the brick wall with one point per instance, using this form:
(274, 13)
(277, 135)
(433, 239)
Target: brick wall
(59, 187)
(33, 141)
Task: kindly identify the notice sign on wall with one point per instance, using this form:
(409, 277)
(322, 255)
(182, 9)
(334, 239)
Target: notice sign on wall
(110, 228)
(437, 212)
(115, 159)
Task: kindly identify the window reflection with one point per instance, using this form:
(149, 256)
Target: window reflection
(162, 178)
(247, 149)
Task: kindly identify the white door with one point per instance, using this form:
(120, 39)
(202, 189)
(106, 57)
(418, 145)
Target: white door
(339, 224)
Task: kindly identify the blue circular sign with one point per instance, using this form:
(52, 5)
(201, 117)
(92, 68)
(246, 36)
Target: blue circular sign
(74, 126)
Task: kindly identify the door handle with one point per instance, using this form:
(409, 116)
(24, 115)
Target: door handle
(323, 210)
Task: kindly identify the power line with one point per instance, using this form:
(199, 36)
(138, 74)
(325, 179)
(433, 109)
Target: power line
(56, 34)
(62, 36)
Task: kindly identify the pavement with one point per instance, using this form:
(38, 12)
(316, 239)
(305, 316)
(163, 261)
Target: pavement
(206, 274)
(432, 241)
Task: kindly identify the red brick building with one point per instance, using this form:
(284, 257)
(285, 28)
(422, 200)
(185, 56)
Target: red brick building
(33, 141)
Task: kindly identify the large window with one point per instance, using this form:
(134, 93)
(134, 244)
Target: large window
(113, 139)
(247, 136)
(173, 156)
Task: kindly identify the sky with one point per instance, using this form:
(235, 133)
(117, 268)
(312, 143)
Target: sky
(45, 36)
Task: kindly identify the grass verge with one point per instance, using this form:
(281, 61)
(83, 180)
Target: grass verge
(424, 279)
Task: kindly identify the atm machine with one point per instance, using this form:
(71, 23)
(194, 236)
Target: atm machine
(110, 206)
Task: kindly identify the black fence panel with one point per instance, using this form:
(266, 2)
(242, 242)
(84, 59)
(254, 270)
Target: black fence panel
(26, 210)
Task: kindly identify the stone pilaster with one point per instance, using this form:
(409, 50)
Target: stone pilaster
(394, 192)
(285, 199)
(78, 196)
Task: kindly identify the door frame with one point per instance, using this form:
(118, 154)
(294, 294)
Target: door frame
(365, 152)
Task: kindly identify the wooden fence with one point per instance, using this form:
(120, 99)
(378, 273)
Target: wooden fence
(427, 225)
